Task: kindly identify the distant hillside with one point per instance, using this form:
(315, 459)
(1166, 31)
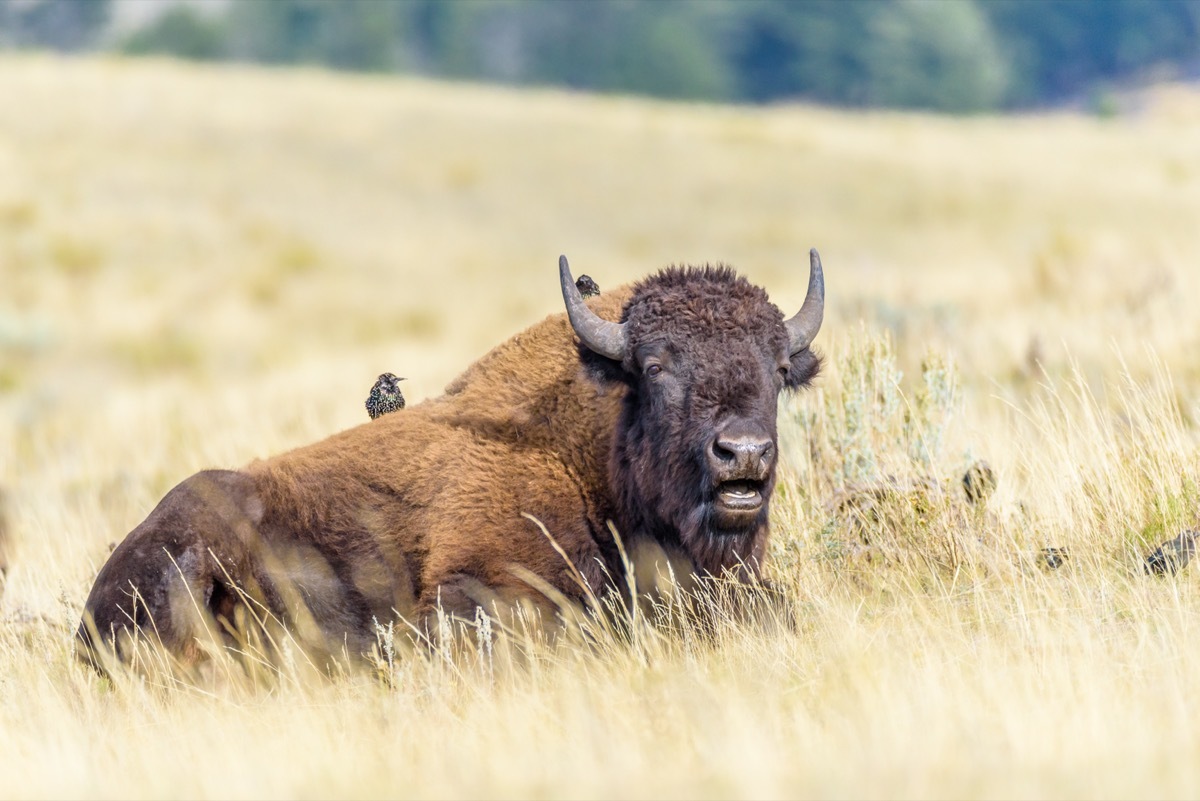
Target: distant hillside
(948, 55)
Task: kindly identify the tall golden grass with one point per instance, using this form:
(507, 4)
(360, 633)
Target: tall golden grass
(200, 266)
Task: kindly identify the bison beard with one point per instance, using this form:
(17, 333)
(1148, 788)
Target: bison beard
(650, 408)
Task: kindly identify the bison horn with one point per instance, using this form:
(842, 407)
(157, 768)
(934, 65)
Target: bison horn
(803, 328)
(599, 335)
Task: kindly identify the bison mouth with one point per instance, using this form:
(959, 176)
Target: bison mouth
(740, 495)
(737, 504)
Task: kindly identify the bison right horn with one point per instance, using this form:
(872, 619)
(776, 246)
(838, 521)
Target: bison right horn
(803, 328)
(599, 335)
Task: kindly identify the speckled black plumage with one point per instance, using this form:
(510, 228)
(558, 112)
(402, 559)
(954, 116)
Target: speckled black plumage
(587, 287)
(385, 396)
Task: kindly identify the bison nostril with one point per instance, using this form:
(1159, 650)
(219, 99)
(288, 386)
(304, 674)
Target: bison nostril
(743, 450)
(723, 451)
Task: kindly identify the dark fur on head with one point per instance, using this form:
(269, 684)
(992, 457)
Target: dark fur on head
(720, 349)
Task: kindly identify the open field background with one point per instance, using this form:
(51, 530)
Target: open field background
(199, 267)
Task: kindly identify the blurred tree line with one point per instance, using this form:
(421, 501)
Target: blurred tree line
(951, 55)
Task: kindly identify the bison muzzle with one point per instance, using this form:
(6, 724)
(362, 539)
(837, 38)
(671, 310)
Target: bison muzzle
(650, 410)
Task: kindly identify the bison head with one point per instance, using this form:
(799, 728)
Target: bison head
(704, 354)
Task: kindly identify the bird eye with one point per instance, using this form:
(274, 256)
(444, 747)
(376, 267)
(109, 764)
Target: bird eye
(653, 370)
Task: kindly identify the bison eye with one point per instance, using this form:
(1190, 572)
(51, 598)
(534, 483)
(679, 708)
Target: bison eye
(653, 370)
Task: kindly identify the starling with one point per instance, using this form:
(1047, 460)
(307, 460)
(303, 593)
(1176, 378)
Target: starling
(587, 287)
(385, 396)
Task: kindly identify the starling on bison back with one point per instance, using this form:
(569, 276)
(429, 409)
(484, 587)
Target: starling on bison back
(385, 396)
(649, 409)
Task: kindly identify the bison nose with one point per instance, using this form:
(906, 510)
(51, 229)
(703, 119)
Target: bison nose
(742, 454)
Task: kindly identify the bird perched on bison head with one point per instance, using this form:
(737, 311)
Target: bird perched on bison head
(587, 287)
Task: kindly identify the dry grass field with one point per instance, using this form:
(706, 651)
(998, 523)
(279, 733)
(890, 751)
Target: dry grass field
(201, 266)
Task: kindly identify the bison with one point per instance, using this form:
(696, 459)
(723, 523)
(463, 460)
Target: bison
(649, 411)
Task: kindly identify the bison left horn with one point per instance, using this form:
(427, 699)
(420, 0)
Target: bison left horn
(803, 328)
(599, 335)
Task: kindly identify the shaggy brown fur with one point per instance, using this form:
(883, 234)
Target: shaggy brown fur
(428, 507)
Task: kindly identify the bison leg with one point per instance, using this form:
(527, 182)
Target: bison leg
(462, 599)
(175, 573)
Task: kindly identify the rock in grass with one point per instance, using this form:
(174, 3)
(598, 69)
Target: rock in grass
(1053, 558)
(1173, 555)
(867, 502)
(979, 482)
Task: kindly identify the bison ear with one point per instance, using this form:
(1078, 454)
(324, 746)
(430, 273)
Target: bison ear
(804, 368)
(601, 369)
